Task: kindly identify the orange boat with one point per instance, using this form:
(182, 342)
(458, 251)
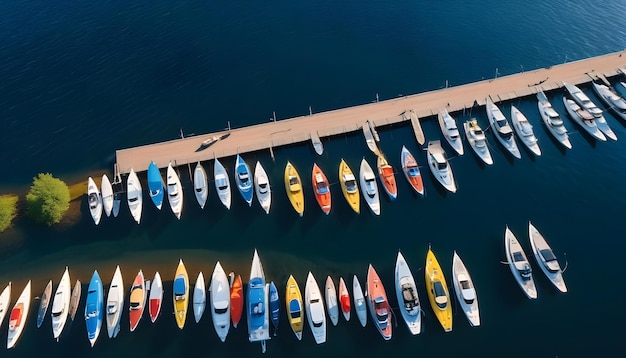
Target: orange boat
(385, 173)
(236, 298)
(137, 300)
(321, 188)
(378, 303)
(412, 171)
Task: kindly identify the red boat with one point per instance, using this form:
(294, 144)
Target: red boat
(385, 173)
(137, 300)
(344, 299)
(411, 171)
(236, 298)
(321, 188)
(378, 303)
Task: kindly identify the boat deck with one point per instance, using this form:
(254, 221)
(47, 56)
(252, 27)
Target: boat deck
(331, 123)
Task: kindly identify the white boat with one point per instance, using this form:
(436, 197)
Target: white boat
(262, 187)
(546, 259)
(611, 98)
(222, 184)
(61, 305)
(317, 143)
(95, 201)
(5, 299)
(450, 131)
(360, 306)
(519, 265)
(583, 118)
(465, 291)
(524, 130)
(19, 316)
(369, 187)
(199, 297)
(107, 195)
(200, 184)
(369, 138)
(552, 120)
(134, 195)
(439, 166)
(115, 304)
(408, 299)
(155, 298)
(220, 302)
(477, 140)
(582, 100)
(501, 129)
(315, 309)
(332, 307)
(174, 191)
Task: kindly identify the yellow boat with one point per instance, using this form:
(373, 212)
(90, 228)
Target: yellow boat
(293, 300)
(293, 185)
(181, 294)
(348, 186)
(438, 291)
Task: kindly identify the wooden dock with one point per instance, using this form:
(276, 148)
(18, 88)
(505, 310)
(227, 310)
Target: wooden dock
(268, 136)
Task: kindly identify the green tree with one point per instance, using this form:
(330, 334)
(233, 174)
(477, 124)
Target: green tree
(8, 210)
(48, 199)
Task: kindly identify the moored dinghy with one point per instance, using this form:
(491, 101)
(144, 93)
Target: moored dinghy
(156, 297)
(545, 258)
(174, 191)
(293, 186)
(134, 195)
(387, 177)
(321, 189)
(222, 184)
(331, 301)
(180, 294)
(344, 299)
(243, 178)
(501, 129)
(477, 140)
(274, 306)
(107, 195)
(349, 186)
(43, 304)
(315, 309)
(5, 299)
(378, 304)
(439, 166)
(552, 120)
(411, 171)
(408, 299)
(465, 291)
(258, 304)
(115, 303)
(220, 298)
(450, 131)
(236, 298)
(524, 130)
(359, 301)
(94, 304)
(95, 201)
(137, 300)
(438, 291)
(293, 300)
(199, 297)
(200, 184)
(61, 305)
(519, 265)
(262, 187)
(19, 316)
(369, 187)
(155, 185)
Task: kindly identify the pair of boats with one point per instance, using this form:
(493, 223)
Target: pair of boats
(504, 133)
(586, 113)
(102, 200)
(172, 187)
(520, 267)
(474, 134)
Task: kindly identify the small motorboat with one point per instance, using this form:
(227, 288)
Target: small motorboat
(156, 297)
(359, 301)
(236, 298)
(321, 189)
(262, 187)
(274, 307)
(408, 299)
(134, 195)
(257, 307)
(95, 201)
(94, 305)
(5, 299)
(180, 294)
(293, 186)
(546, 259)
(209, 141)
(583, 118)
(369, 187)
(477, 140)
(315, 309)
(243, 178)
(552, 120)
(199, 298)
(411, 171)
(155, 185)
(330, 293)
(222, 184)
(387, 177)
(465, 291)
(61, 305)
(349, 186)
(137, 300)
(107, 195)
(115, 304)
(501, 129)
(317, 143)
(378, 304)
(450, 131)
(611, 98)
(293, 300)
(19, 316)
(519, 265)
(200, 184)
(439, 166)
(344, 299)
(582, 100)
(220, 299)
(524, 130)
(75, 299)
(174, 191)
(438, 291)
(43, 304)
(369, 137)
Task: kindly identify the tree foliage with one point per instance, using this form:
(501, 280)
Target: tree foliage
(48, 199)
(8, 210)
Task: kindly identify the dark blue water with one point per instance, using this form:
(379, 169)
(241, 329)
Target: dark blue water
(79, 80)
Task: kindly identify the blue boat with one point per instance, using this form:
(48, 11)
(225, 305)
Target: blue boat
(94, 308)
(274, 306)
(244, 180)
(257, 308)
(155, 185)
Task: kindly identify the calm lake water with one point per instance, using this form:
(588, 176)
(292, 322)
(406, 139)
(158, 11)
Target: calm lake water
(80, 79)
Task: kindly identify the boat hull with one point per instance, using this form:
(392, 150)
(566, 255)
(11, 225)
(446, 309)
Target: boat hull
(94, 304)
(155, 185)
(495, 114)
(293, 187)
(378, 304)
(19, 316)
(359, 301)
(156, 297)
(180, 296)
(222, 184)
(61, 305)
(538, 244)
(437, 290)
(293, 302)
(199, 298)
(257, 307)
(200, 185)
(137, 300)
(513, 247)
(174, 191)
(407, 295)
(321, 189)
(262, 187)
(350, 192)
(220, 299)
(115, 304)
(411, 171)
(236, 299)
(465, 291)
(243, 178)
(107, 195)
(43, 304)
(315, 309)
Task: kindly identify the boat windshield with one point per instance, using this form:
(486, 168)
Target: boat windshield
(413, 171)
(440, 295)
(322, 188)
(318, 324)
(171, 190)
(525, 271)
(112, 308)
(293, 180)
(442, 165)
(518, 257)
(351, 186)
(221, 310)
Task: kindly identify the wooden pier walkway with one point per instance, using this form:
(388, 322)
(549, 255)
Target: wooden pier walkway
(408, 108)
